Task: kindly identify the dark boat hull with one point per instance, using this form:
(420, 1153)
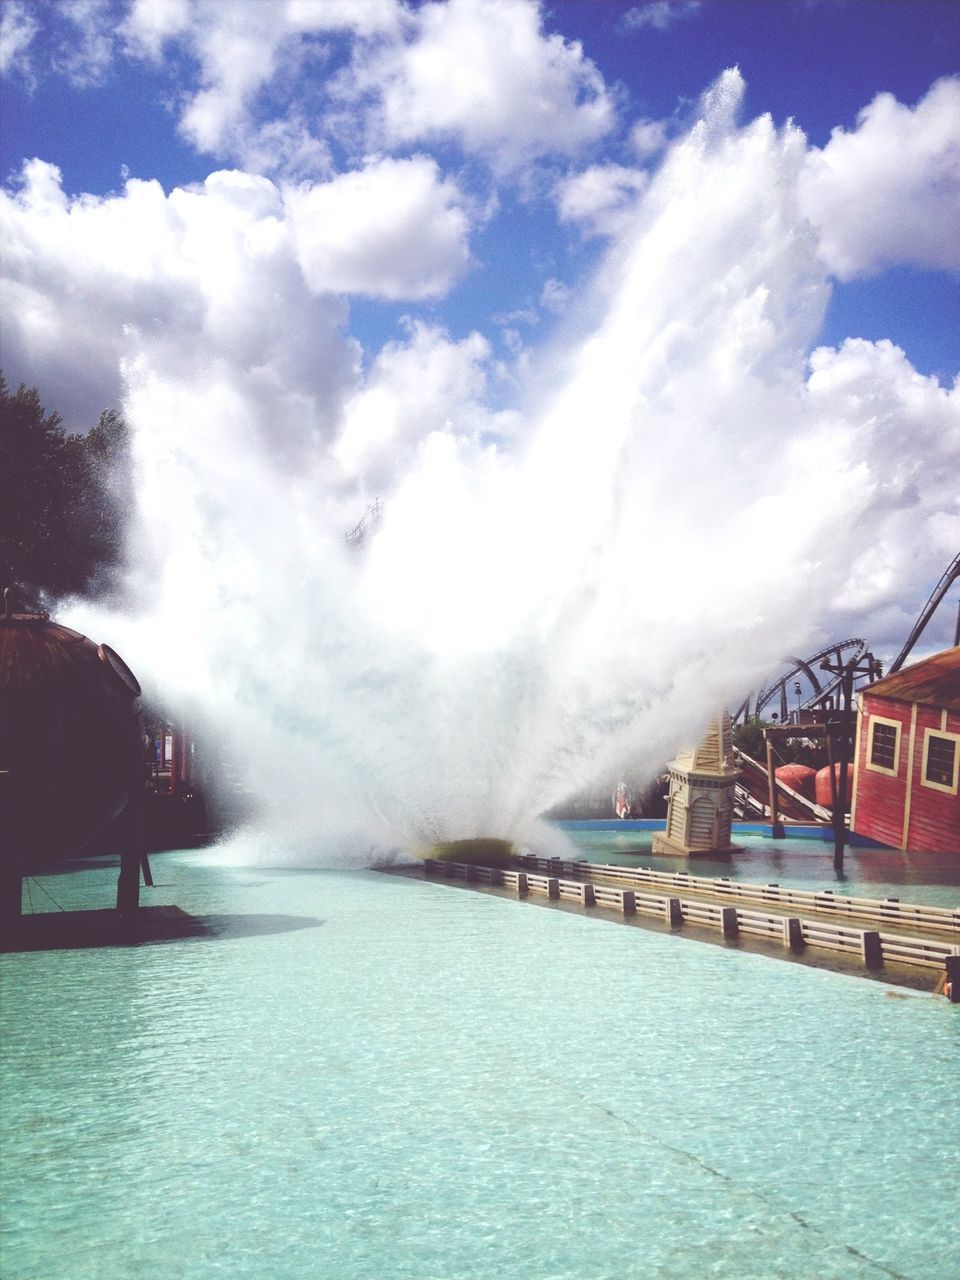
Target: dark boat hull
(71, 740)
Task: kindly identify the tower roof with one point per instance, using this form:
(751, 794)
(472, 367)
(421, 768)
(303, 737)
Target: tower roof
(714, 753)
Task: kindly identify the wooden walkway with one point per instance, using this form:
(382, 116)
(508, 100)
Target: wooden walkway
(830, 923)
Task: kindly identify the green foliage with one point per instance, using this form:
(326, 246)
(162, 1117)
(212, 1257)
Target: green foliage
(63, 498)
(748, 738)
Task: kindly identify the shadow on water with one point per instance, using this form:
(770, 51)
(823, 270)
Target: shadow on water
(73, 930)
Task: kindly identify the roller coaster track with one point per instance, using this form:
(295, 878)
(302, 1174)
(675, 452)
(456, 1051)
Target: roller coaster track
(839, 653)
(366, 526)
(950, 575)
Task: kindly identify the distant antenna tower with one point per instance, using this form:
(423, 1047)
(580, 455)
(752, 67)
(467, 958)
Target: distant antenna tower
(366, 526)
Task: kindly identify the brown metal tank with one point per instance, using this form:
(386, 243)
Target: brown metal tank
(71, 740)
(798, 777)
(824, 791)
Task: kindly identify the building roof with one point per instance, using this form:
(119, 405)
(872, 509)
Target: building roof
(933, 682)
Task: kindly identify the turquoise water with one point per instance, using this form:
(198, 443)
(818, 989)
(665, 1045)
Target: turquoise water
(930, 878)
(361, 1075)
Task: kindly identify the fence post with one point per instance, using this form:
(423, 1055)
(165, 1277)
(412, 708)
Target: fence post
(729, 922)
(521, 884)
(553, 887)
(872, 949)
(628, 902)
(588, 895)
(793, 933)
(470, 872)
(673, 912)
(429, 866)
(449, 870)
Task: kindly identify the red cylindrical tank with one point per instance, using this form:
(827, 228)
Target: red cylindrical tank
(798, 777)
(71, 739)
(824, 792)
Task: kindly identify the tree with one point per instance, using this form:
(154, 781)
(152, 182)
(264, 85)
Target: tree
(98, 507)
(63, 498)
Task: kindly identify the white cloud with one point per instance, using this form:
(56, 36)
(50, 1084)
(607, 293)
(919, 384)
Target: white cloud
(484, 73)
(658, 14)
(600, 198)
(902, 430)
(203, 279)
(86, 55)
(394, 229)
(555, 295)
(413, 389)
(151, 23)
(889, 192)
(241, 49)
(18, 26)
(237, 54)
(647, 137)
(261, 83)
(234, 275)
(363, 17)
(287, 147)
(521, 315)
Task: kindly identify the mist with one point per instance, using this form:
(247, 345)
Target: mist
(686, 488)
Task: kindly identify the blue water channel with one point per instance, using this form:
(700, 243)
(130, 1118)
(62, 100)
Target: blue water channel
(353, 1074)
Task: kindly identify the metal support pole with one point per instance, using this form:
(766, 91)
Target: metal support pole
(840, 812)
(776, 826)
(11, 898)
(133, 859)
(832, 765)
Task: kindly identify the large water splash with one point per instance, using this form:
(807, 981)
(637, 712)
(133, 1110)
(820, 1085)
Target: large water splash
(532, 613)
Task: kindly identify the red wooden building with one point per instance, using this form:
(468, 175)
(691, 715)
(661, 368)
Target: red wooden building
(908, 758)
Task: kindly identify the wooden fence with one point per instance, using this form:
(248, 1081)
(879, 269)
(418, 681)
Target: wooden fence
(881, 910)
(871, 946)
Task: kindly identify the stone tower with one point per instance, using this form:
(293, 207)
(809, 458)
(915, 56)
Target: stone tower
(700, 802)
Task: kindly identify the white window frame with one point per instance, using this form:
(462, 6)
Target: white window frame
(928, 734)
(879, 768)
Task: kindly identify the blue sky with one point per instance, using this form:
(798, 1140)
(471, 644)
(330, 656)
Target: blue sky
(364, 227)
(88, 104)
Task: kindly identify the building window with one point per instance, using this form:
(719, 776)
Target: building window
(941, 761)
(883, 754)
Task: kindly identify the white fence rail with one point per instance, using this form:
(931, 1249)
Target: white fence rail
(871, 946)
(882, 910)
